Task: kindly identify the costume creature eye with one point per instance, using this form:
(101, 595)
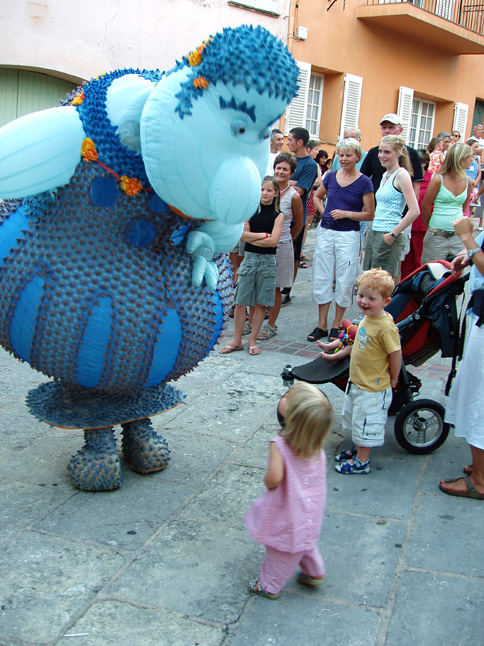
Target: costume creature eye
(238, 127)
(265, 134)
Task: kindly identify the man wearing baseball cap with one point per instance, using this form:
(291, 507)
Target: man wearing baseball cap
(390, 125)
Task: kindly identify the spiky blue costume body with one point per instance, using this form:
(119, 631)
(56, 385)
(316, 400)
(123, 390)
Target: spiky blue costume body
(111, 278)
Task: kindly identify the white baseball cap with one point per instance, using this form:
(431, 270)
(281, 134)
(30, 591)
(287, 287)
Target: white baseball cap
(391, 117)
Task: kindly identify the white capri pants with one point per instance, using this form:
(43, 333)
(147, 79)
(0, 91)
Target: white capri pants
(336, 256)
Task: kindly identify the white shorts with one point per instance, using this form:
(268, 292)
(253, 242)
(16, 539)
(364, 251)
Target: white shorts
(336, 258)
(365, 414)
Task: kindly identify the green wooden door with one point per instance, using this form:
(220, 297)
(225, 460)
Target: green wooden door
(22, 92)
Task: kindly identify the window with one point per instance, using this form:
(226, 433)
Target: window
(313, 106)
(305, 109)
(421, 123)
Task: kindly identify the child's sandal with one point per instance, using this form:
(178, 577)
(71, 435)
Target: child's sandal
(255, 588)
(305, 579)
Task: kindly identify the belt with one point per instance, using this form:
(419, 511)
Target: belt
(442, 233)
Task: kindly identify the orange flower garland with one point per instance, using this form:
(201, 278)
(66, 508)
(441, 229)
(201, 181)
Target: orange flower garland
(130, 185)
(88, 150)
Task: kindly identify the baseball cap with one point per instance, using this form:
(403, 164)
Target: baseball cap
(391, 117)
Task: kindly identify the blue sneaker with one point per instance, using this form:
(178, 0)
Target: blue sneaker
(356, 466)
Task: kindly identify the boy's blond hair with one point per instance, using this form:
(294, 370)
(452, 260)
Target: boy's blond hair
(379, 280)
(308, 419)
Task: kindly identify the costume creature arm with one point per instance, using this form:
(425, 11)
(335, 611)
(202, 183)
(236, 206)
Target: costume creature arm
(39, 152)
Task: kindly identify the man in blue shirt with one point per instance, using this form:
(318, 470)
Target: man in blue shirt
(302, 179)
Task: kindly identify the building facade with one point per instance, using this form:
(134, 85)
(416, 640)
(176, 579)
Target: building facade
(360, 59)
(51, 46)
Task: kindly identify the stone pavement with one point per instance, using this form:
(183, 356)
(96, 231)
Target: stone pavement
(166, 559)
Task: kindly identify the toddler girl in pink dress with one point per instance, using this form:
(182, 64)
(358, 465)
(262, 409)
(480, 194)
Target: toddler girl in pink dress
(287, 518)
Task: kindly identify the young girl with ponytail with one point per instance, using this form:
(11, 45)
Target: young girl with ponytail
(384, 240)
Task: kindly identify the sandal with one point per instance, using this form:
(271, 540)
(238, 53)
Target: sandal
(227, 349)
(351, 468)
(255, 588)
(303, 265)
(317, 334)
(343, 456)
(254, 350)
(267, 332)
(305, 258)
(309, 580)
(469, 492)
(467, 470)
(334, 334)
(247, 329)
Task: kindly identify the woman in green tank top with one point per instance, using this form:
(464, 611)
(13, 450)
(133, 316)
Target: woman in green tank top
(449, 193)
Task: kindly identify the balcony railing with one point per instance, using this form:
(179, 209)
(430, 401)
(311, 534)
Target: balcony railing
(466, 13)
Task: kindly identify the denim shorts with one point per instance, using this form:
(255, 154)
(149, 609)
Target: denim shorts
(256, 283)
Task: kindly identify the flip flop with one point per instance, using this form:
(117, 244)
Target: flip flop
(227, 349)
(303, 265)
(317, 334)
(470, 492)
(254, 349)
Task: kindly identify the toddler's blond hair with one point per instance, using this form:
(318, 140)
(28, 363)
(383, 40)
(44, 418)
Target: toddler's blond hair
(308, 419)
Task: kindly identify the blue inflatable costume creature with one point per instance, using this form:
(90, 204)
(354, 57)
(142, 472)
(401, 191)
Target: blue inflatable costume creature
(118, 207)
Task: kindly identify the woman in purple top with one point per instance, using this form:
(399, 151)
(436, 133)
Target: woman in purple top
(349, 201)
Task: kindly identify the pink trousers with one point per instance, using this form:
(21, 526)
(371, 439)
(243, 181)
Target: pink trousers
(277, 567)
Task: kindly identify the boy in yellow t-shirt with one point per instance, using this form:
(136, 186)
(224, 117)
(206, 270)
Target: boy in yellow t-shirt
(375, 364)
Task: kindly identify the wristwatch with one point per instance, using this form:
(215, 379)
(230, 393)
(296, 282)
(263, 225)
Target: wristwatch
(472, 252)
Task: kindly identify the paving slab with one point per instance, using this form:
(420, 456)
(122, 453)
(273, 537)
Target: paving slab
(296, 620)
(111, 622)
(458, 523)
(193, 568)
(435, 610)
(46, 582)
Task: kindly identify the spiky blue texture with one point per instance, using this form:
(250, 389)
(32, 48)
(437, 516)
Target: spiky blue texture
(248, 56)
(98, 127)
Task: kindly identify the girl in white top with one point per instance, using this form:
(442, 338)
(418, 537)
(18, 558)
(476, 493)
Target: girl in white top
(385, 240)
(291, 205)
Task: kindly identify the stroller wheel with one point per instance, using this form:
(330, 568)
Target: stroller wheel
(420, 427)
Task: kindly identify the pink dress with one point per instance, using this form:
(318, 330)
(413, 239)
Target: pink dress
(289, 517)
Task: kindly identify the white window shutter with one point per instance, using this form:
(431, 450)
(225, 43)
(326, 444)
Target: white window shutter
(296, 112)
(461, 112)
(404, 110)
(350, 112)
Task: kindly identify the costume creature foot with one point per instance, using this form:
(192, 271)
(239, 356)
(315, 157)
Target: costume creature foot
(96, 467)
(144, 450)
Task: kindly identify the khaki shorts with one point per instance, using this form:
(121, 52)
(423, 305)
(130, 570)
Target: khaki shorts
(365, 414)
(380, 254)
(256, 283)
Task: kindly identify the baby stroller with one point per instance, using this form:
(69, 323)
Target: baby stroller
(424, 308)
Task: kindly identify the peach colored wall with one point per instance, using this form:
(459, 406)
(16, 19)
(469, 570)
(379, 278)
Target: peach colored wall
(339, 42)
(78, 40)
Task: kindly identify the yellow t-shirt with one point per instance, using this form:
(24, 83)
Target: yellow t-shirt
(375, 339)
